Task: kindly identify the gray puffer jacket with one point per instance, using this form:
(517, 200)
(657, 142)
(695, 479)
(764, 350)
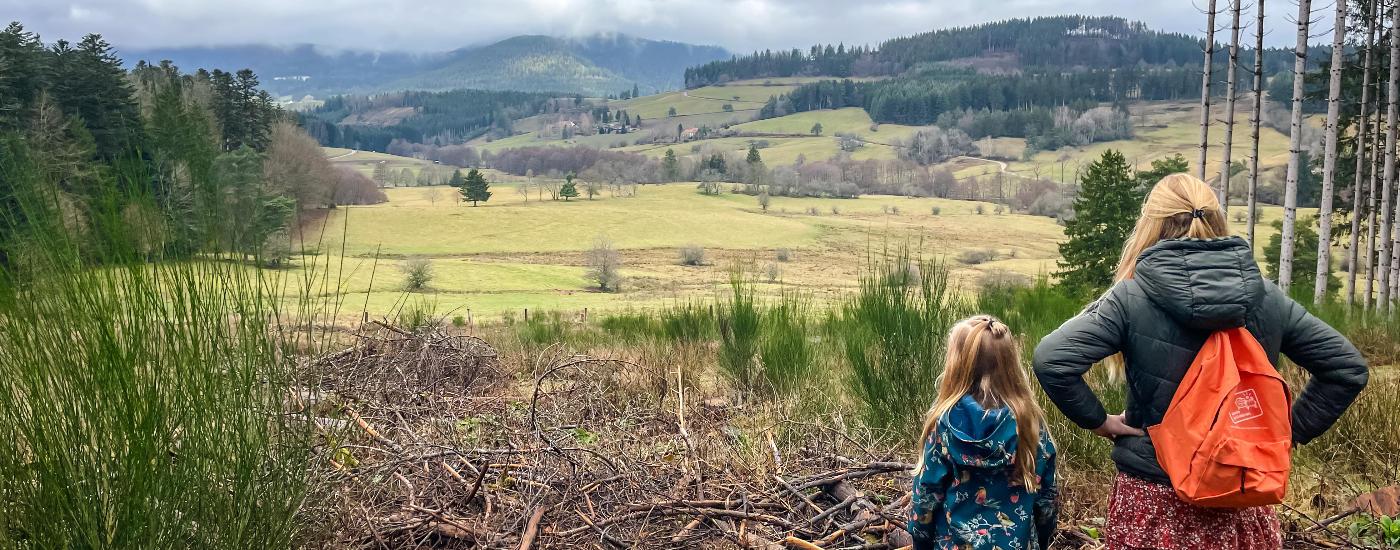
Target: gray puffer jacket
(1184, 290)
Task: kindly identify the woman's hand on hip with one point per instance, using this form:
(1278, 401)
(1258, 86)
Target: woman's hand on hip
(1114, 426)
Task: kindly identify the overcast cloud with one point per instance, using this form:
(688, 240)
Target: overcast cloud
(436, 25)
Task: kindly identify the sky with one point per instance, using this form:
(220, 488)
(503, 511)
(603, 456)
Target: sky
(440, 25)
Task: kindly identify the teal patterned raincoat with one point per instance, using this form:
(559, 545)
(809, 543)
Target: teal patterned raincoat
(965, 499)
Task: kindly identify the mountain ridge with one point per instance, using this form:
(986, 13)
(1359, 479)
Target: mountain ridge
(595, 64)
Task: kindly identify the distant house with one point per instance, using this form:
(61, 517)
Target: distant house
(689, 133)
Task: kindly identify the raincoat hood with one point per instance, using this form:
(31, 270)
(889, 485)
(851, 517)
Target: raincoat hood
(1204, 284)
(977, 437)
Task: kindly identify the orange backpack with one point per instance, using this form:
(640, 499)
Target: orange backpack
(1226, 439)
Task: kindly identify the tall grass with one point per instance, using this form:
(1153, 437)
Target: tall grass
(689, 322)
(740, 323)
(146, 406)
(894, 334)
(786, 354)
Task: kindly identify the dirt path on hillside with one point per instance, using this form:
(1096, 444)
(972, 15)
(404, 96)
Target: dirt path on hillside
(342, 156)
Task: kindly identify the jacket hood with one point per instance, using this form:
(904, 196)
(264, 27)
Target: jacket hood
(1209, 284)
(977, 437)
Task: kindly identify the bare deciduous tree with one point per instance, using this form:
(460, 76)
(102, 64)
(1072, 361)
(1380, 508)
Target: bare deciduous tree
(1329, 158)
(1383, 300)
(1205, 88)
(1256, 117)
(1362, 133)
(1295, 146)
(1224, 191)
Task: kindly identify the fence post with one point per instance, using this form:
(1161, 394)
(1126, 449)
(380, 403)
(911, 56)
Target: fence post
(585, 316)
(527, 315)
(469, 317)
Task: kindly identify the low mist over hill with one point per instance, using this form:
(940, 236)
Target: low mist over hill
(594, 65)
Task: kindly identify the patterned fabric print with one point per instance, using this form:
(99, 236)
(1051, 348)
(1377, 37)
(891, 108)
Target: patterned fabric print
(964, 499)
(1145, 515)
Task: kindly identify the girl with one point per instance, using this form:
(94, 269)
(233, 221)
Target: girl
(1181, 278)
(987, 477)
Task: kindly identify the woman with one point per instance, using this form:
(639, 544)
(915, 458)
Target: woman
(1182, 277)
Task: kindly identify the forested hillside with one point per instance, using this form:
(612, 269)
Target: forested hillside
(440, 118)
(1061, 42)
(303, 69)
(154, 162)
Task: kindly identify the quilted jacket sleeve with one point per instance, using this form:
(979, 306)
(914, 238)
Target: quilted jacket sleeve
(1063, 357)
(1338, 371)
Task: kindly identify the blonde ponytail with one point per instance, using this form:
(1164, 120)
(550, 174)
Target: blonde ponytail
(1180, 205)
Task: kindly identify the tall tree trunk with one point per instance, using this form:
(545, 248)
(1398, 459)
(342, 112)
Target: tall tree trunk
(1255, 118)
(1329, 157)
(1387, 185)
(1295, 149)
(1377, 134)
(1224, 190)
(1363, 132)
(1205, 90)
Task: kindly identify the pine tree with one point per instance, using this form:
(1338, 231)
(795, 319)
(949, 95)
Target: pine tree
(636, 92)
(754, 158)
(473, 187)
(569, 190)
(671, 112)
(670, 167)
(1104, 214)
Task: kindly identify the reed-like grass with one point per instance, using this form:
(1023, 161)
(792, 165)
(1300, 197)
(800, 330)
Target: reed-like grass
(785, 351)
(149, 406)
(894, 331)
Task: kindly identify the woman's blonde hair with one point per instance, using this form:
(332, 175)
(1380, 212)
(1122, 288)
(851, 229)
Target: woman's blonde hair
(1180, 205)
(984, 361)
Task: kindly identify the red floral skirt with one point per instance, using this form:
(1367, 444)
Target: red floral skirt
(1144, 515)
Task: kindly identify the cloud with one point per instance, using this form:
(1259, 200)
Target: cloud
(437, 25)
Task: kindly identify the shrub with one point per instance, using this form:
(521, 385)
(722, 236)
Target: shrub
(417, 272)
(812, 210)
(980, 209)
(1240, 215)
(690, 322)
(773, 272)
(603, 263)
(894, 210)
(936, 210)
(835, 211)
(459, 321)
(786, 354)
(739, 326)
(629, 326)
(885, 208)
(974, 257)
(692, 254)
(419, 317)
(145, 405)
(894, 337)
(764, 200)
(783, 254)
(999, 210)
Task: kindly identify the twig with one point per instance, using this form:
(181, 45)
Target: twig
(1334, 519)
(799, 494)
(832, 510)
(371, 431)
(799, 543)
(685, 531)
(532, 529)
(772, 447)
(476, 485)
(1324, 527)
(412, 501)
(611, 539)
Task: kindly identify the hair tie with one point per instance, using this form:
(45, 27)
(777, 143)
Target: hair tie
(1198, 214)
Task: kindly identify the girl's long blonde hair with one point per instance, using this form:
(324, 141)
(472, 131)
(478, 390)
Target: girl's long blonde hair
(984, 361)
(1180, 205)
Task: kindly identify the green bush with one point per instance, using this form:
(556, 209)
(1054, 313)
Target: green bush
(145, 407)
(688, 322)
(786, 354)
(630, 326)
(895, 332)
(739, 328)
(417, 273)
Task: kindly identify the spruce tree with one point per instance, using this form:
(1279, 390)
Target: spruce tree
(636, 92)
(569, 190)
(1108, 206)
(754, 157)
(670, 167)
(473, 187)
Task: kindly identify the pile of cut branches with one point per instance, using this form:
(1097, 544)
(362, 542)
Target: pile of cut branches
(439, 444)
